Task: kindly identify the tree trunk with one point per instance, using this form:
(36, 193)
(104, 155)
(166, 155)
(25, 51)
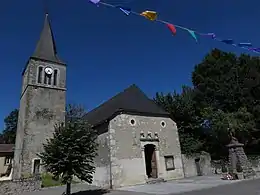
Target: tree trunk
(68, 190)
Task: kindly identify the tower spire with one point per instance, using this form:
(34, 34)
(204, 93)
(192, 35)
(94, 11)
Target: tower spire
(46, 47)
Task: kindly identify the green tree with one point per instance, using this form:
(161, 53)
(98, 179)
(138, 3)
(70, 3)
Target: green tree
(72, 149)
(183, 111)
(226, 82)
(9, 133)
(219, 126)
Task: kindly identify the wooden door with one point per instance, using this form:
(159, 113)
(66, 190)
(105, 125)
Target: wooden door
(154, 165)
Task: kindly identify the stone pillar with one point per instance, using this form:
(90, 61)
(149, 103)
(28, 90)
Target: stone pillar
(232, 160)
(143, 157)
(237, 157)
(159, 171)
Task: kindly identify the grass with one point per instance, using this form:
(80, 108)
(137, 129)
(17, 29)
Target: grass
(49, 181)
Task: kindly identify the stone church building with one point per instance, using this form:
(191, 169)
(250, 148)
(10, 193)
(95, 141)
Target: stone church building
(138, 141)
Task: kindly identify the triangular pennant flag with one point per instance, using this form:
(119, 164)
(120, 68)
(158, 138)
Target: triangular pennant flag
(192, 33)
(172, 28)
(244, 44)
(257, 50)
(127, 11)
(228, 41)
(150, 15)
(94, 1)
(212, 35)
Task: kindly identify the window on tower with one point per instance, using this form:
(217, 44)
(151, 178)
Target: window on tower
(47, 78)
(39, 78)
(55, 77)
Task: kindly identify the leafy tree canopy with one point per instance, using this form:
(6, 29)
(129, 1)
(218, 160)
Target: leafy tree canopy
(72, 149)
(9, 133)
(225, 97)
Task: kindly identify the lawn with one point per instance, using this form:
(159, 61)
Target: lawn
(49, 181)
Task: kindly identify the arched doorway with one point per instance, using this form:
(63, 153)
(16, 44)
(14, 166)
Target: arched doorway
(150, 161)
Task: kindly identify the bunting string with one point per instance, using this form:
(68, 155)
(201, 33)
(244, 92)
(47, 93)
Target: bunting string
(153, 16)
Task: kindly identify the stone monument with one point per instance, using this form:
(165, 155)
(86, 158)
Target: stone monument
(237, 158)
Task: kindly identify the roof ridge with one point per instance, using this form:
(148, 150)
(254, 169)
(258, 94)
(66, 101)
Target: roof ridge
(131, 99)
(112, 98)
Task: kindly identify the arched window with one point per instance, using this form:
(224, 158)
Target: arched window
(39, 78)
(47, 78)
(55, 77)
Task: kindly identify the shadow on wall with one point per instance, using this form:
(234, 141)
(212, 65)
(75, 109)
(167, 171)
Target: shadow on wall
(92, 192)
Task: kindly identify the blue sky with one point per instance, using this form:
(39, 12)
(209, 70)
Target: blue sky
(107, 51)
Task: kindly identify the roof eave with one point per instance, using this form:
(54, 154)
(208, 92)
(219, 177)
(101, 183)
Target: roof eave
(127, 111)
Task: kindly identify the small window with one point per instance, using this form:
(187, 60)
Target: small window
(39, 79)
(169, 163)
(55, 78)
(163, 124)
(8, 160)
(36, 166)
(132, 122)
(49, 79)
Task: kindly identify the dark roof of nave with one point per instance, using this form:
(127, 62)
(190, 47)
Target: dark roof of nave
(131, 100)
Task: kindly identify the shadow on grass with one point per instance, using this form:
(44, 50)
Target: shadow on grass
(92, 192)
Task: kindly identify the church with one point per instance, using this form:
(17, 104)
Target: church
(138, 141)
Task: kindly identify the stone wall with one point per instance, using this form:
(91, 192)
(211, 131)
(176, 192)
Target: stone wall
(17, 187)
(217, 165)
(197, 164)
(101, 177)
(255, 161)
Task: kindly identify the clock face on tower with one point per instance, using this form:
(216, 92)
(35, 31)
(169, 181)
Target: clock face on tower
(48, 70)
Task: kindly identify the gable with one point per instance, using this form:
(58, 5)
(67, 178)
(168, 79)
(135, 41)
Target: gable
(131, 100)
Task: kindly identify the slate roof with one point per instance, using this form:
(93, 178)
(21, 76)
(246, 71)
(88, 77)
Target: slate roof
(46, 47)
(6, 148)
(131, 100)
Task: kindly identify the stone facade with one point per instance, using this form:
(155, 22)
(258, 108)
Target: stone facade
(41, 107)
(102, 162)
(123, 163)
(17, 187)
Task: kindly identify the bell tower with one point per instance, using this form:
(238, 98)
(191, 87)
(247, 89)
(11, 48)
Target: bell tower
(42, 103)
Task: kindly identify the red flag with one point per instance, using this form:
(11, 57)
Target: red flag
(171, 28)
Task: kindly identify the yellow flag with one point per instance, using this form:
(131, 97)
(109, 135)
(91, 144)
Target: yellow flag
(150, 15)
